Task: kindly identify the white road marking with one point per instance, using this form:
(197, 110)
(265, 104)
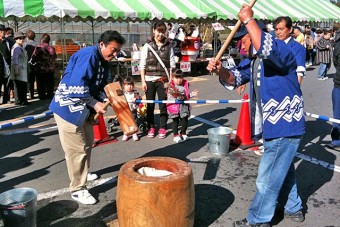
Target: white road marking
(318, 162)
(90, 185)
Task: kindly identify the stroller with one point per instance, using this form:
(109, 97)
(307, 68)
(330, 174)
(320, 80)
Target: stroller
(141, 118)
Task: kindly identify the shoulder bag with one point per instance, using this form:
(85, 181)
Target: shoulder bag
(159, 59)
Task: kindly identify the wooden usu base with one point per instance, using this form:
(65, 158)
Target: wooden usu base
(166, 201)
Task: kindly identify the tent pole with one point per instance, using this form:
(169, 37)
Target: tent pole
(63, 49)
(215, 38)
(16, 25)
(92, 32)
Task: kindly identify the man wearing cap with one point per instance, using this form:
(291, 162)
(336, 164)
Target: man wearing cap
(9, 34)
(5, 54)
(272, 76)
(308, 29)
(335, 133)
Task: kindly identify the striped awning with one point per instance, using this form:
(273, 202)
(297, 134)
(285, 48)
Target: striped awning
(29, 10)
(99, 10)
(134, 10)
(167, 10)
(298, 10)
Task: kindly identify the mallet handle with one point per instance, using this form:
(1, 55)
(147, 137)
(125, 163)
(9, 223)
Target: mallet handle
(105, 107)
(231, 35)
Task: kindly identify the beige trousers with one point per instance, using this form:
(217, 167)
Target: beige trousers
(76, 142)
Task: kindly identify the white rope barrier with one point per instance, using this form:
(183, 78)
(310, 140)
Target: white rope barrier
(193, 101)
(31, 118)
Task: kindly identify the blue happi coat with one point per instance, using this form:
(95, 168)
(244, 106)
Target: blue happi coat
(280, 93)
(300, 55)
(82, 84)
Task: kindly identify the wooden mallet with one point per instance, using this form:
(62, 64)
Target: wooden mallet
(231, 35)
(121, 108)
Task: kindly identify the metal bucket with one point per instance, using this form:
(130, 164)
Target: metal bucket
(219, 140)
(18, 207)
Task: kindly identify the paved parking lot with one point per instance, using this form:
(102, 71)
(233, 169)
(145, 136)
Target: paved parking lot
(31, 156)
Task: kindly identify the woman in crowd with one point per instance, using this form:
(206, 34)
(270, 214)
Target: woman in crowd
(44, 58)
(154, 76)
(19, 69)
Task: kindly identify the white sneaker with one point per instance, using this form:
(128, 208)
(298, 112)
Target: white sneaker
(83, 196)
(92, 176)
(185, 137)
(177, 139)
(135, 137)
(125, 138)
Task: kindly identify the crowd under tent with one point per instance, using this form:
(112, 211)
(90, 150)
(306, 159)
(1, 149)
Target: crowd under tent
(79, 18)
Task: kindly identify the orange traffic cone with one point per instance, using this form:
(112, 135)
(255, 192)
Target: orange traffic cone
(96, 132)
(243, 135)
(100, 134)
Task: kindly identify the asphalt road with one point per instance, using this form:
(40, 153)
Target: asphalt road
(31, 156)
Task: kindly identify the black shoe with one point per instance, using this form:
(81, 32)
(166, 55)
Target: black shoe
(245, 223)
(42, 97)
(297, 217)
(333, 147)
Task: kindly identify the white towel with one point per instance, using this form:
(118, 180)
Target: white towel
(152, 172)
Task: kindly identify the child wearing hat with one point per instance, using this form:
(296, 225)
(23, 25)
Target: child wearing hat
(178, 89)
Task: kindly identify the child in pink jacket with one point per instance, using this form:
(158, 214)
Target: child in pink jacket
(178, 89)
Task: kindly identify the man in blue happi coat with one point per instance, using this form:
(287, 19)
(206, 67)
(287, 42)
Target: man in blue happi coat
(271, 70)
(78, 97)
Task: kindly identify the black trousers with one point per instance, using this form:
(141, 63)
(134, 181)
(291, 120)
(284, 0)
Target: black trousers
(153, 88)
(45, 85)
(21, 92)
(5, 97)
(31, 80)
(184, 126)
